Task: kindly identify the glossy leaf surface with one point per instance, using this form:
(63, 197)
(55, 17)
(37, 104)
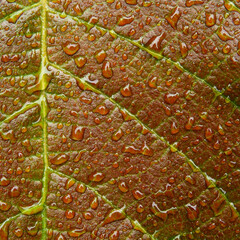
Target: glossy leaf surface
(119, 119)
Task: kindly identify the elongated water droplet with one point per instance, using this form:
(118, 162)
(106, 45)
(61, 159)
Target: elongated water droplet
(192, 212)
(174, 17)
(125, 20)
(107, 70)
(155, 42)
(113, 216)
(183, 49)
(96, 177)
(190, 3)
(223, 34)
(94, 203)
(60, 159)
(76, 232)
(101, 109)
(131, 2)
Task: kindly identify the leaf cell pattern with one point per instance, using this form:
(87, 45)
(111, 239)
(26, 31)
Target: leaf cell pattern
(119, 119)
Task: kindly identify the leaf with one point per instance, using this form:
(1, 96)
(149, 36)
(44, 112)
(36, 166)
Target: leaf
(119, 119)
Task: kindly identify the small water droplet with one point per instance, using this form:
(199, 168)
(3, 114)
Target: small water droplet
(14, 191)
(70, 214)
(76, 232)
(94, 203)
(4, 206)
(190, 3)
(81, 188)
(80, 61)
(209, 134)
(33, 230)
(117, 135)
(100, 56)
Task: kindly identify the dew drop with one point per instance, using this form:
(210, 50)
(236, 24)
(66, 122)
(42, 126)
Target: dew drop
(94, 203)
(14, 191)
(174, 128)
(70, 214)
(4, 181)
(96, 177)
(174, 17)
(114, 235)
(117, 135)
(183, 49)
(100, 56)
(171, 98)
(67, 198)
(155, 42)
(113, 216)
(140, 208)
(107, 69)
(60, 159)
(76, 232)
(209, 134)
(77, 133)
(101, 109)
(18, 232)
(189, 123)
(125, 20)
(4, 206)
(33, 230)
(190, 3)
(223, 34)
(80, 61)
(71, 48)
(192, 212)
(126, 91)
(138, 195)
(81, 188)
(210, 19)
(123, 187)
(88, 215)
(131, 2)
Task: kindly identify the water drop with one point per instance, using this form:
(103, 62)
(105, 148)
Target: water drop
(69, 214)
(190, 3)
(96, 177)
(80, 61)
(138, 195)
(174, 17)
(67, 198)
(60, 159)
(209, 134)
(81, 188)
(100, 56)
(123, 187)
(71, 48)
(77, 133)
(210, 19)
(155, 42)
(94, 203)
(183, 49)
(126, 91)
(107, 70)
(33, 230)
(76, 232)
(117, 135)
(4, 206)
(131, 2)
(223, 34)
(101, 109)
(171, 98)
(14, 191)
(125, 20)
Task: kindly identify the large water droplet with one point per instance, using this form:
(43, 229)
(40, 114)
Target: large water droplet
(107, 69)
(60, 159)
(123, 187)
(96, 177)
(174, 17)
(155, 42)
(71, 48)
(77, 133)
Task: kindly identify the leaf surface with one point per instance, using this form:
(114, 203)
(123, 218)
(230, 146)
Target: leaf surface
(119, 119)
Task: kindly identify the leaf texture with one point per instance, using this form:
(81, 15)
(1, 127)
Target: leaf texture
(119, 119)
